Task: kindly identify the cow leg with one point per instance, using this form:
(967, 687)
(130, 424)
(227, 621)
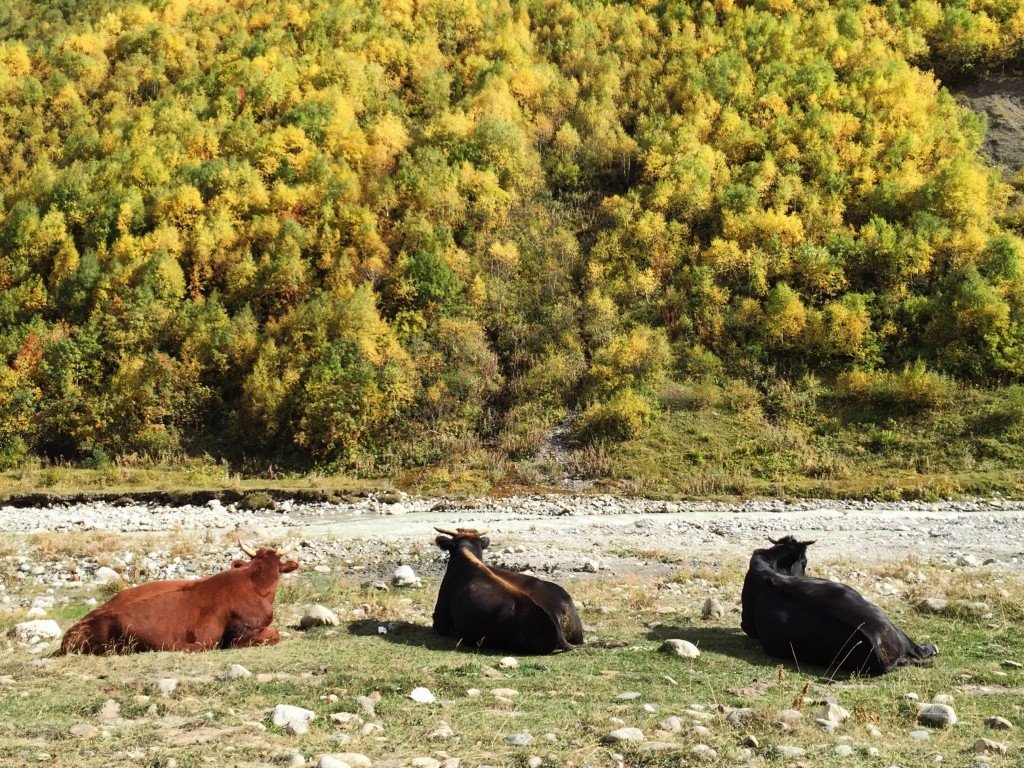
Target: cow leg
(264, 636)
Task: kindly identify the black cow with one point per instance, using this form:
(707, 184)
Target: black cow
(816, 621)
(491, 606)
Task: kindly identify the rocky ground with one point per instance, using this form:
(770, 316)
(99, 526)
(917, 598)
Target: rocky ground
(647, 575)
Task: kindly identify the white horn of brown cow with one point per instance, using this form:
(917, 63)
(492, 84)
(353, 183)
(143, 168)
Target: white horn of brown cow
(446, 531)
(483, 532)
(247, 550)
(286, 549)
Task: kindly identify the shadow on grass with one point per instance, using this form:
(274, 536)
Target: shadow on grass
(407, 633)
(729, 641)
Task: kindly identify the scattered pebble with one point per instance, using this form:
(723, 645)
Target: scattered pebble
(318, 616)
(683, 648)
(936, 715)
(422, 696)
(519, 739)
(623, 735)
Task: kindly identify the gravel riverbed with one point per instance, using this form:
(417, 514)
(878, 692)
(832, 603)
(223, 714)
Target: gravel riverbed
(554, 534)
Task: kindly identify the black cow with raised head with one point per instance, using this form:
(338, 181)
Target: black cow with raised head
(817, 621)
(503, 609)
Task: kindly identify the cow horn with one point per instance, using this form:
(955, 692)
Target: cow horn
(244, 548)
(483, 532)
(773, 541)
(286, 549)
(446, 531)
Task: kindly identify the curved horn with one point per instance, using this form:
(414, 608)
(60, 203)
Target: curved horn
(482, 532)
(286, 549)
(446, 531)
(243, 547)
(773, 541)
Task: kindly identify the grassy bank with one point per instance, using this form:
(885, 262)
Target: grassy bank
(573, 695)
(900, 439)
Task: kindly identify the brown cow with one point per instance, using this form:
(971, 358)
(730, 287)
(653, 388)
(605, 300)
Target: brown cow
(504, 609)
(232, 609)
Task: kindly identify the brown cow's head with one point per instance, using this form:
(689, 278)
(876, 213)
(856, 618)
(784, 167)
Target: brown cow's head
(468, 538)
(266, 557)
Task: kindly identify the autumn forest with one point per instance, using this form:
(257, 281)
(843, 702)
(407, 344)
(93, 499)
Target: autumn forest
(357, 235)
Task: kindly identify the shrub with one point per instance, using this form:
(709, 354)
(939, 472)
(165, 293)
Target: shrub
(914, 390)
(256, 500)
(619, 418)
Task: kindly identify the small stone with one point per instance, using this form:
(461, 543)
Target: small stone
(519, 739)
(671, 725)
(294, 720)
(919, 734)
(750, 740)
(504, 693)
(106, 575)
(237, 672)
(296, 760)
(933, 605)
(968, 561)
(84, 731)
(165, 686)
(368, 704)
(405, 576)
(999, 724)
(989, 747)
(942, 698)
(330, 761)
(422, 696)
(425, 762)
(318, 616)
(737, 716)
(844, 750)
(704, 752)
(354, 759)
(936, 715)
(623, 735)
(346, 720)
(534, 762)
(1011, 664)
(40, 629)
(628, 696)
(828, 726)
(683, 648)
(874, 731)
(508, 663)
(590, 566)
(790, 716)
(834, 713)
(110, 710)
(443, 731)
(785, 750)
(712, 609)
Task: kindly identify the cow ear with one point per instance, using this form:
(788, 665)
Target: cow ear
(288, 566)
(806, 544)
(485, 542)
(239, 563)
(444, 543)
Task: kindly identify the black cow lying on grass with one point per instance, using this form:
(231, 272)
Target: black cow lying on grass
(491, 606)
(816, 621)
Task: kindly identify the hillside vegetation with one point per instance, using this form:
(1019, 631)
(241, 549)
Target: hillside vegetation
(376, 235)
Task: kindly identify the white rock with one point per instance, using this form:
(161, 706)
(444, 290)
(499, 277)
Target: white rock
(330, 761)
(683, 648)
(354, 759)
(318, 616)
(237, 672)
(405, 576)
(422, 696)
(833, 713)
(294, 720)
(36, 613)
(40, 629)
(999, 724)
(712, 609)
(623, 735)
(165, 686)
(106, 575)
(84, 731)
(844, 750)
(508, 663)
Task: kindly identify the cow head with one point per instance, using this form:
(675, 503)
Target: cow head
(788, 555)
(271, 559)
(463, 538)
